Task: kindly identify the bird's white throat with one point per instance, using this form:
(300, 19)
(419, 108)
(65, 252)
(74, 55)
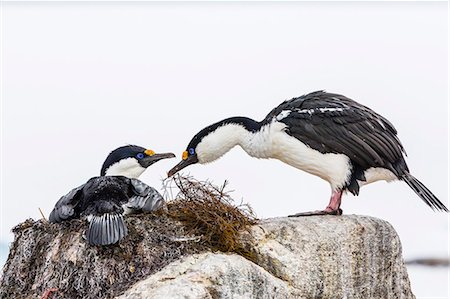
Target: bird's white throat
(126, 167)
(257, 144)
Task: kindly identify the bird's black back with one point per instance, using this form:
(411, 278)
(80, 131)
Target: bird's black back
(104, 194)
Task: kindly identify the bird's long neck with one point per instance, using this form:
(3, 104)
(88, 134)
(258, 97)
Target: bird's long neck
(251, 135)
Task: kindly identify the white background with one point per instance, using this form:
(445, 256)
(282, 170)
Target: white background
(79, 79)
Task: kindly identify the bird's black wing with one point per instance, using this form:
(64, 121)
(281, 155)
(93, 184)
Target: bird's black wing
(65, 207)
(143, 197)
(332, 123)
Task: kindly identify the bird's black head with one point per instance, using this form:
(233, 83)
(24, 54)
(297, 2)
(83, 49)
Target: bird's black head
(131, 161)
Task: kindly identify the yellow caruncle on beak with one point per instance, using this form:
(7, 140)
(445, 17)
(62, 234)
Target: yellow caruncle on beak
(185, 155)
(149, 152)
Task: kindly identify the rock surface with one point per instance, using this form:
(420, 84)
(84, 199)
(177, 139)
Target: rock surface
(311, 257)
(210, 275)
(334, 257)
(314, 257)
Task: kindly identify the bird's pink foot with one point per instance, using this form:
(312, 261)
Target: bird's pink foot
(331, 209)
(317, 213)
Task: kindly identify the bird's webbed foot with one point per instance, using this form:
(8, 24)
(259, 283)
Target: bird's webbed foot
(331, 209)
(317, 213)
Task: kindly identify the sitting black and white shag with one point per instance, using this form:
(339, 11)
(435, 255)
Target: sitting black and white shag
(103, 200)
(328, 135)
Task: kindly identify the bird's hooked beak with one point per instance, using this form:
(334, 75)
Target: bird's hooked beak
(184, 163)
(152, 157)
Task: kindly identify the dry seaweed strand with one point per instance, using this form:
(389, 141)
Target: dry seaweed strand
(208, 211)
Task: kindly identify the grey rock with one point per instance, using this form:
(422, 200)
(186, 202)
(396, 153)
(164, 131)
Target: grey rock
(210, 275)
(311, 257)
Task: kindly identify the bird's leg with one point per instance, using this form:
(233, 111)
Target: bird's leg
(331, 209)
(335, 203)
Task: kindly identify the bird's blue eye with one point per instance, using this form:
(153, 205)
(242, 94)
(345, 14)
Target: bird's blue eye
(140, 155)
(191, 151)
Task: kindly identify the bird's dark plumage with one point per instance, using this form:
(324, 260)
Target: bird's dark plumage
(102, 200)
(424, 193)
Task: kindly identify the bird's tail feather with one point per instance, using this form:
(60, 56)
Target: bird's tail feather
(424, 193)
(106, 229)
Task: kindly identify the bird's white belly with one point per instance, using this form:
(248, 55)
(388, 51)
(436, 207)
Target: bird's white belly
(334, 168)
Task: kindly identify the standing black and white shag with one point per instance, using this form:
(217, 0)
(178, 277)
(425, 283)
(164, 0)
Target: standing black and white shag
(325, 134)
(103, 200)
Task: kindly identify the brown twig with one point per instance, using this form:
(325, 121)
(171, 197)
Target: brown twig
(42, 214)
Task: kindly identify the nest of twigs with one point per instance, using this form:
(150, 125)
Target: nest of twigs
(208, 211)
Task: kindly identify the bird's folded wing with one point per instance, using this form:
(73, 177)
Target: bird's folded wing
(65, 207)
(143, 197)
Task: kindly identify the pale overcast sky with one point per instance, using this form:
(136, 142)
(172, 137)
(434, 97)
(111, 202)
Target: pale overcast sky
(80, 79)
